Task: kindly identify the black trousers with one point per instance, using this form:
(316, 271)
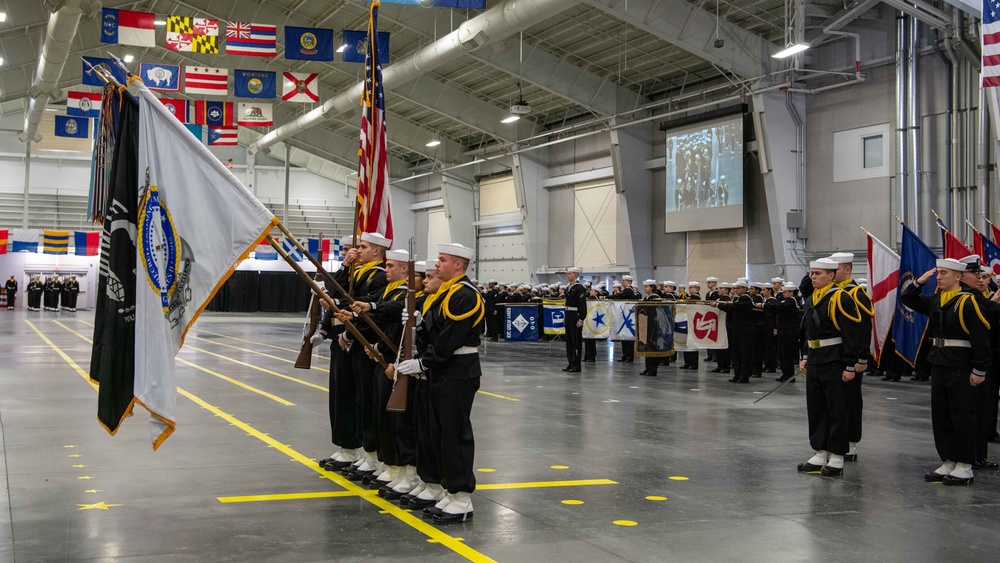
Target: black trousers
(788, 351)
(406, 427)
(722, 358)
(364, 377)
(826, 404)
(385, 421)
(855, 407)
(344, 415)
(986, 413)
(953, 414)
(11, 297)
(451, 428)
(652, 364)
(742, 344)
(770, 350)
(574, 340)
(428, 468)
(589, 349)
(757, 350)
(691, 359)
(34, 299)
(628, 350)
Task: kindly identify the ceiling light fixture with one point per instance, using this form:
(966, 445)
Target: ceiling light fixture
(433, 143)
(510, 119)
(3, 17)
(128, 58)
(791, 49)
(342, 48)
(159, 22)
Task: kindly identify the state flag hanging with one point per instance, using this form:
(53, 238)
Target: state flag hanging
(300, 87)
(217, 114)
(3, 241)
(177, 108)
(223, 136)
(90, 77)
(195, 130)
(308, 44)
(74, 127)
(462, 4)
(251, 39)
(195, 35)
(255, 84)
(319, 248)
(356, 46)
(253, 114)
(990, 255)
(125, 27)
(83, 104)
(165, 78)
(55, 242)
(206, 80)
(25, 240)
(86, 243)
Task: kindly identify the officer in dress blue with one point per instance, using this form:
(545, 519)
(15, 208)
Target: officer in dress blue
(650, 294)
(693, 294)
(576, 308)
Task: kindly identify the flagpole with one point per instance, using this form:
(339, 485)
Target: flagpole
(901, 222)
(326, 299)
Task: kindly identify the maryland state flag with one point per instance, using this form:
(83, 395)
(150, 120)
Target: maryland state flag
(87, 243)
(193, 224)
(3, 241)
(55, 242)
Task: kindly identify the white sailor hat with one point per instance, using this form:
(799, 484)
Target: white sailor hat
(742, 282)
(972, 262)
(455, 249)
(761, 285)
(588, 283)
(377, 239)
(824, 264)
(627, 277)
(671, 283)
(492, 281)
(777, 280)
(420, 266)
(842, 257)
(725, 285)
(574, 269)
(616, 284)
(742, 279)
(788, 286)
(649, 282)
(711, 279)
(951, 264)
(693, 284)
(431, 264)
(398, 255)
(861, 281)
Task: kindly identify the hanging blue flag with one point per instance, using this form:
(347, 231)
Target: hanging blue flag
(91, 79)
(292, 250)
(255, 84)
(909, 326)
(356, 45)
(470, 4)
(76, 127)
(195, 130)
(156, 76)
(521, 322)
(308, 44)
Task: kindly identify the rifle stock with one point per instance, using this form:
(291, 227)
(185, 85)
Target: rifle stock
(401, 383)
(304, 361)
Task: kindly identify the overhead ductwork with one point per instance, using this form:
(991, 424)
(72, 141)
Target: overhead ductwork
(496, 24)
(64, 19)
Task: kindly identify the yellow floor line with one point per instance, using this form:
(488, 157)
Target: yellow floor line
(249, 351)
(434, 534)
(260, 369)
(258, 343)
(72, 364)
(544, 484)
(504, 397)
(290, 496)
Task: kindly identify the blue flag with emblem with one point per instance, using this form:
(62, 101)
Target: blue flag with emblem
(356, 46)
(622, 321)
(308, 44)
(554, 318)
(521, 322)
(255, 84)
(90, 77)
(909, 326)
(157, 76)
(75, 127)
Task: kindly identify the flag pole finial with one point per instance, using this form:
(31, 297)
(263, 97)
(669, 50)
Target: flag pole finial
(901, 222)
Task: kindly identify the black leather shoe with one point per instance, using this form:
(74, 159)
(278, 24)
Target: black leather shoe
(404, 500)
(445, 518)
(590, 361)
(431, 511)
(887, 378)
(716, 370)
(643, 372)
(743, 381)
(567, 368)
(986, 464)
(808, 467)
(325, 461)
(828, 471)
(356, 475)
(652, 374)
(628, 361)
(337, 465)
(574, 370)
(367, 479)
(390, 494)
(957, 481)
(417, 503)
(850, 457)
(375, 484)
(684, 367)
(734, 380)
(756, 375)
(933, 477)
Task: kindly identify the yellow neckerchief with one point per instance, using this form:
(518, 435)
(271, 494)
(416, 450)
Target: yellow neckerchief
(986, 293)
(393, 286)
(441, 291)
(364, 268)
(818, 294)
(947, 296)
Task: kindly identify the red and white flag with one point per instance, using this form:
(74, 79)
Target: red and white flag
(206, 80)
(300, 87)
(223, 136)
(84, 104)
(251, 39)
(255, 114)
(883, 273)
(374, 205)
(178, 108)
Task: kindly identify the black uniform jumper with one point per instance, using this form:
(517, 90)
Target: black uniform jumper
(576, 305)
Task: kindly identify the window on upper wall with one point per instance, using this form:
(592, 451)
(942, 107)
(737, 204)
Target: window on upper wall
(862, 153)
(872, 151)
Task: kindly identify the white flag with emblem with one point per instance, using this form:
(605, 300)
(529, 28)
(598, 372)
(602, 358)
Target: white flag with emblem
(196, 222)
(622, 320)
(706, 327)
(597, 323)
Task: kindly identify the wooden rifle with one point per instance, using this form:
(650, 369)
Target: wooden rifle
(401, 383)
(312, 324)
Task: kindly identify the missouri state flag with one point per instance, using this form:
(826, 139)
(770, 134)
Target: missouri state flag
(74, 127)
(86, 243)
(83, 104)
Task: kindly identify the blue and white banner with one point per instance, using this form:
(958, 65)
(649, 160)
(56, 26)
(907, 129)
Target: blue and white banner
(157, 76)
(597, 324)
(521, 323)
(554, 318)
(75, 127)
(622, 320)
(356, 46)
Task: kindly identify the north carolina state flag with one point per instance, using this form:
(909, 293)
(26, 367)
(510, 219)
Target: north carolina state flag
(299, 87)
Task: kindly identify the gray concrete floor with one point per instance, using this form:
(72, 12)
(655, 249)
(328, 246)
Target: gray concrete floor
(74, 493)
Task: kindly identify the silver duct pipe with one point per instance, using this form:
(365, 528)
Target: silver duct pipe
(901, 154)
(63, 23)
(913, 60)
(952, 161)
(984, 165)
(491, 26)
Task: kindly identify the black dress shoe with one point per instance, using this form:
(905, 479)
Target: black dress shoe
(684, 367)
(724, 371)
(887, 378)
(756, 375)
(590, 361)
(567, 368)
(850, 457)
(628, 361)
(809, 467)
(431, 511)
(643, 372)
(957, 481)
(933, 477)
(734, 380)
(325, 461)
(986, 464)
(445, 518)
(337, 465)
(367, 479)
(652, 374)
(404, 500)
(375, 484)
(743, 381)
(417, 503)
(828, 471)
(574, 370)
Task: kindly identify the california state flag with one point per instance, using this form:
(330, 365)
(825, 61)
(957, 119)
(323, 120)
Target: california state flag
(883, 274)
(195, 223)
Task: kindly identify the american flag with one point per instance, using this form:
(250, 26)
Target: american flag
(374, 207)
(991, 43)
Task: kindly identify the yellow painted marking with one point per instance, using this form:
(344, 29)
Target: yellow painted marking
(251, 388)
(435, 541)
(572, 502)
(85, 478)
(544, 484)
(625, 523)
(79, 466)
(654, 497)
(94, 491)
(260, 369)
(73, 455)
(72, 364)
(559, 466)
(486, 470)
(290, 496)
(504, 397)
(69, 446)
(97, 505)
(249, 351)
(259, 343)
(404, 516)
(677, 478)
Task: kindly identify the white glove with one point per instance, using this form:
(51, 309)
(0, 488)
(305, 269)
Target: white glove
(317, 339)
(409, 367)
(418, 318)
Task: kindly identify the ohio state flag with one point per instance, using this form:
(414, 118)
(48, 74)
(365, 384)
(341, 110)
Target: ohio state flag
(300, 87)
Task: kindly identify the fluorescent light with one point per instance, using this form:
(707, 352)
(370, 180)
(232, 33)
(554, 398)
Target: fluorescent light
(510, 119)
(3, 17)
(433, 143)
(1, 61)
(342, 48)
(129, 58)
(790, 50)
(159, 22)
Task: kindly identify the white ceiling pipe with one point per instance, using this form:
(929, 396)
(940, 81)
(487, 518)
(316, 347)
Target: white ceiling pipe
(491, 26)
(63, 23)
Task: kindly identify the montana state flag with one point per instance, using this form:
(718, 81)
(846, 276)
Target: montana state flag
(55, 242)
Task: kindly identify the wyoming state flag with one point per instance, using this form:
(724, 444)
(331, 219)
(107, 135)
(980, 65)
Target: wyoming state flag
(55, 242)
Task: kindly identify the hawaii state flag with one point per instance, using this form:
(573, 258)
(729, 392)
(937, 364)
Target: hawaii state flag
(909, 326)
(883, 274)
(87, 242)
(251, 39)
